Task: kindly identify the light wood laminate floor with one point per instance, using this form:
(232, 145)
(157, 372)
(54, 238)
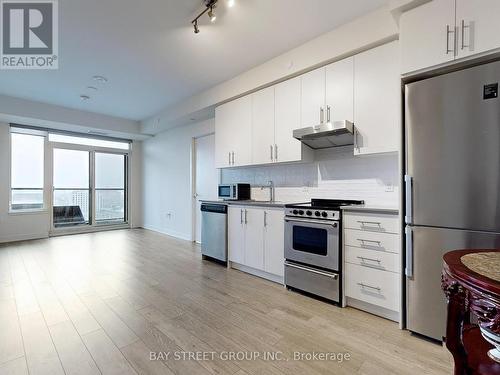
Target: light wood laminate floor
(100, 303)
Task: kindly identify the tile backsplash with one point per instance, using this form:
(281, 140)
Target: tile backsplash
(334, 173)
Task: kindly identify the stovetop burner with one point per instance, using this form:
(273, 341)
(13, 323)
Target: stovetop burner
(326, 204)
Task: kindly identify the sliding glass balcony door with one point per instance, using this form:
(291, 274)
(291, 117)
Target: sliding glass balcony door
(89, 188)
(71, 199)
(110, 197)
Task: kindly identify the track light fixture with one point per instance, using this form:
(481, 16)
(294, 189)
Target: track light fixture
(210, 10)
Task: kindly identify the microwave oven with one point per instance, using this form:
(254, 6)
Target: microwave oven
(237, 192)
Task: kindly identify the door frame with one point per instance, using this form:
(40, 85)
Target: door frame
(192, 189)
(91, 227)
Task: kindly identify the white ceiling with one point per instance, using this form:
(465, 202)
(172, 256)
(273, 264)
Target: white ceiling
(152, 58)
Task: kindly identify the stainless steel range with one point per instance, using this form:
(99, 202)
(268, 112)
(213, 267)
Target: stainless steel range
(313, 247)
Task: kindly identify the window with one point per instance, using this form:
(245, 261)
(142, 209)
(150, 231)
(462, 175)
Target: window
(61, 138)
(27, 159)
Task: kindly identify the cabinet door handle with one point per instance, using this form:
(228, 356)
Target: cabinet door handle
(265, 218)
(369, 241)
(328, 113)
(448, 32)
(246, 221)
(362, 285)
(233, 156)
(241, 216)
(321, 115)
(229, 156)
(356, 147)
(464, 26)
(370, 259)
(275, 152)
(364, 222)
(271, 147)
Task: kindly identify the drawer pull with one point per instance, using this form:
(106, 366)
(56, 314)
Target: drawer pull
(369, 241)
(363, 222)
(370, 259)
(370, 287)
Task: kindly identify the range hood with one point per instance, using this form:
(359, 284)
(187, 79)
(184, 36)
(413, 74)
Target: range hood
(330, 134)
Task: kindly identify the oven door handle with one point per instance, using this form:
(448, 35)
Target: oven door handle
(333, 224)
(327, 274)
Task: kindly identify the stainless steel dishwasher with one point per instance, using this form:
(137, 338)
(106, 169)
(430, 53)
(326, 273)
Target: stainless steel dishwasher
(214, 231)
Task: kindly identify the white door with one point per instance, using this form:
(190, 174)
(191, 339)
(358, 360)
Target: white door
(339, 90)
(263, 126)
(206, 176)
(477, 26)
(377, 99)
(236, 235)
(254, 238)
(313, 97)
(274, 246)
(426, 35)
(287, 119)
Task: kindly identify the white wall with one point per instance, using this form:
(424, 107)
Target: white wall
(22, 226)
(167, 200)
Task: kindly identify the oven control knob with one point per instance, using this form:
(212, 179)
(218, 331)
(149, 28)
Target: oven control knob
(324, 214)
(301, 212)
(317, 213)
(335, 225)
(295, 212)
(309, 213)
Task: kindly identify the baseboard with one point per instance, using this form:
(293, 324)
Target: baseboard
(373, 309)
(181, 236)
(256, 272)
(24, 237)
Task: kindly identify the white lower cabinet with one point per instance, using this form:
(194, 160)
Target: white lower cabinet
(372, 256)
(256, 240)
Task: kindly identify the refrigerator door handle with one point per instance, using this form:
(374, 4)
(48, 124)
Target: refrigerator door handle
(409, 252)
(409, 199)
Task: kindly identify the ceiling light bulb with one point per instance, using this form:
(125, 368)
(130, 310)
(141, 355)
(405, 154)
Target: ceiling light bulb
(230, 3)
(212, 15)
(100, 79)
(84, 98)
(196, 29)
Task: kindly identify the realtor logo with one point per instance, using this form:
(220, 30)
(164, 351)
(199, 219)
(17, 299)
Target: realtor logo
(29, 34)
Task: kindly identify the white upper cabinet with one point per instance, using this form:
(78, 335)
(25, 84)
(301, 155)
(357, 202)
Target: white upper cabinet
(313, 98)
(339, 102)
(478, 26)
(427, 35)
(233, 130)
(377, 98)
(287, 119)
(445, 30)
(263, 126)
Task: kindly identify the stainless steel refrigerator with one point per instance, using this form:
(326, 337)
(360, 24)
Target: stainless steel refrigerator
(452, 181)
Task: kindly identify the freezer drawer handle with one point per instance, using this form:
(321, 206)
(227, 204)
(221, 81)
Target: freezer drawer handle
(409, 252)
(331, 275)
(369, 286)
(370, 259)
(370, 241)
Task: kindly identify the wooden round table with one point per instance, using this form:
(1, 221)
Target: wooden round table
(471, 282)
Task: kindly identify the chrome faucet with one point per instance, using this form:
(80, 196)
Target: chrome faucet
(270, 186)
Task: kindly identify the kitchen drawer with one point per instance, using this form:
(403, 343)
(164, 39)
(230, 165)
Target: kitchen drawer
(378, 260)
(388, 242)
(379, 288)
(372, 222)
